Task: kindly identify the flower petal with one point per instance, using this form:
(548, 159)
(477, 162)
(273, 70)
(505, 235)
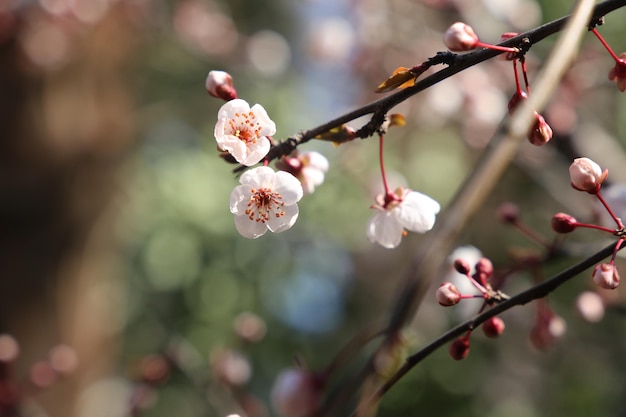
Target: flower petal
(385, 229)
(285, 221)
(228, 110)
(288, 187)
(255, 152)
(239, 199)
(249, 228)
(417, 212)
(268, 127)
(259, 177)
(234, 146)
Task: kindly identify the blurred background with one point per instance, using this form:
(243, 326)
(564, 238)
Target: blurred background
(125, 289)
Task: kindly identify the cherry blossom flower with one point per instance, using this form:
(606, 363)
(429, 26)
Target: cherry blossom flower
(409, 210)
(265, 200)
(308, 167)
(243, 131)
(586, 175)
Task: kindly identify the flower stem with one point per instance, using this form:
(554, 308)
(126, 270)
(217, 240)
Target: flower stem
(617, 220)
(525, 74)
(606, 45)
(594, 226)
(518, 86)
(388, 192)
(618, 246)
(497, 47)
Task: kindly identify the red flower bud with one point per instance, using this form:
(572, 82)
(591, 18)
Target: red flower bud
(459, 349)
(563, 223)
(541, 132)
(462, 266)
(493, 327)
(484, 267)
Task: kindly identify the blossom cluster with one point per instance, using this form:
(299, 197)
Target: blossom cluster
(449, 295)
(587, 176)
(267, 199)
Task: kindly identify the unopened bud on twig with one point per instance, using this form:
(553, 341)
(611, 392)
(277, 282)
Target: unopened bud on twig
(462, 266)
(448, 294)
(606, 276)
(219, 84)
(563, 223)
(541, 132)
(586, 175)
(459, 349)
(493, 327)
(460, 37)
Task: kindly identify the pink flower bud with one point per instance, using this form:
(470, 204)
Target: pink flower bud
(220, 84)
(586, 175)
(296, 393)
(462, 266)
(508, 213)
(448, 294)
(606, 276)
(459, 349)
(493, 327)
(563, 223)
(460, 37)
(541, 132)
(484, 267)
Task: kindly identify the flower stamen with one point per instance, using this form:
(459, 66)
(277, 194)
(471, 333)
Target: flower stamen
(262, 203)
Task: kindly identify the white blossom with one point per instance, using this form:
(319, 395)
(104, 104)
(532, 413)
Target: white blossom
(413, 211)
(265, 200)
(243, 131)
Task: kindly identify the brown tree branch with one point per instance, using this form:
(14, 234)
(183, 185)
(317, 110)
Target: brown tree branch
(456, 63)
(534, 293)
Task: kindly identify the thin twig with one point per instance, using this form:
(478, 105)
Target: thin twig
(457, 63)
(534, 293)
